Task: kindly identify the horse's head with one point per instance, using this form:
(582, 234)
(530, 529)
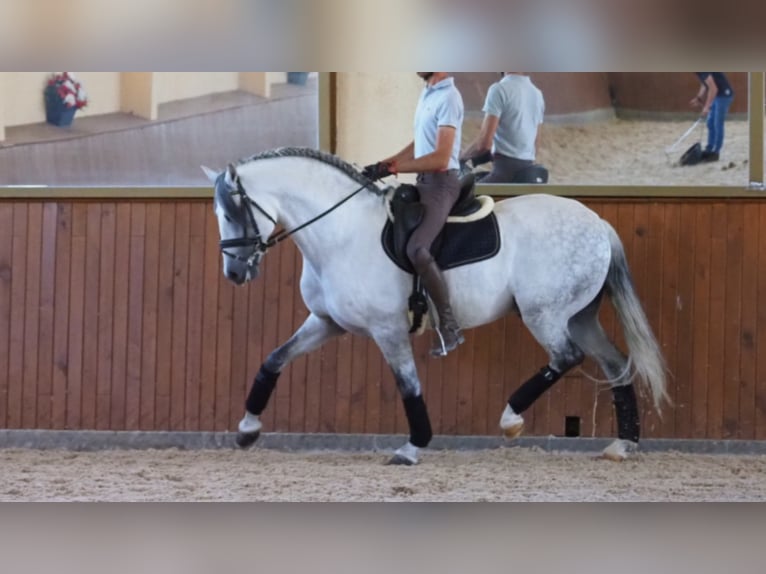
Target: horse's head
(244, 226)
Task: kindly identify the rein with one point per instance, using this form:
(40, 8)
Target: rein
(257, 242)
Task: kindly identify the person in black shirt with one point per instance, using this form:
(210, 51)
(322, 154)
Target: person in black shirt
(714, 98)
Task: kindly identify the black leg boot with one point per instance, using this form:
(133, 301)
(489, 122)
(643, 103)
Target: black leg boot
(448, 335)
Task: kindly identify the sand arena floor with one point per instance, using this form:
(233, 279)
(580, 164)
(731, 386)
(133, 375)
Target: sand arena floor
(511, 474)
(623, 152)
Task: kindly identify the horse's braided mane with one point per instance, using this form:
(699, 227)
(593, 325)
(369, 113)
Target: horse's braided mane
(321, 156)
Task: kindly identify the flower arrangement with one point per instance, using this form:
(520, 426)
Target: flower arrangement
(68, 89)
(64, 95)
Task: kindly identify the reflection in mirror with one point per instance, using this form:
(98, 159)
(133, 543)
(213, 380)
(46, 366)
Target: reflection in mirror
(613, 128)
(147, 128)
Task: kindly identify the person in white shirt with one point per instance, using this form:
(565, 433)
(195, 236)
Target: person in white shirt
(513, 113)
(434, 156)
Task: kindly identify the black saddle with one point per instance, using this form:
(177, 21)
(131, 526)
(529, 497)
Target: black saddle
(458, 244)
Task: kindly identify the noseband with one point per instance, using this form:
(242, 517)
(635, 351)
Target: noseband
(258, 245)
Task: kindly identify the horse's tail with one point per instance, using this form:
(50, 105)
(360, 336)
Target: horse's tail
(642, 345)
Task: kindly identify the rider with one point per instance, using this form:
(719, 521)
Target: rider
(514, 112)
(433, 155)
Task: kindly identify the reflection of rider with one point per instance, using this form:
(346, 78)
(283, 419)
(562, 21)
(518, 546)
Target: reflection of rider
(514, 110)
(433, 155)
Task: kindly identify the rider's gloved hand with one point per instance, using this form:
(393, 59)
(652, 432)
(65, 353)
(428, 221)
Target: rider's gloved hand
(379, 170)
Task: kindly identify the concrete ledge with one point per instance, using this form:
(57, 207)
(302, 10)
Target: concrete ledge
(105, 440)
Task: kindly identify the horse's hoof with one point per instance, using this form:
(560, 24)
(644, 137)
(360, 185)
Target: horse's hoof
(246, 440)
(399, 460)
(513, 432)
(619, 451)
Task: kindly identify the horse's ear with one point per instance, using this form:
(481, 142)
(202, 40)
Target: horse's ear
(231, 175)
(211, 175)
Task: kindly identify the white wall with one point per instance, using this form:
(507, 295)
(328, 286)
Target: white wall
(375, 113)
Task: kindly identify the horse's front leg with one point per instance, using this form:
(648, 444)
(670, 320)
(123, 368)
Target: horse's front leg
(314, 332)
(397, 350)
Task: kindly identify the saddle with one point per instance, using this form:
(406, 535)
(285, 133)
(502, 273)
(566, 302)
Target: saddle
(470, 235)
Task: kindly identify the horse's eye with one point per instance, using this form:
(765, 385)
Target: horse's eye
(227, 218)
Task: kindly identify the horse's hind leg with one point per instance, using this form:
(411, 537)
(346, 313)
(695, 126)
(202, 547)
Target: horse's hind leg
(564, 355)
(397, 350)
(314, 332)
(591, 338)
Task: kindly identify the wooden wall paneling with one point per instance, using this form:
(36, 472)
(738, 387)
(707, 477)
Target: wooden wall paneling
(717, 301)
(166, 275)
(732, 324)
(76, 325)
(465, 384)
(62, 268)
(760, 389)
(343, 384)
(224, 418)
(496, 399)
(18, 302)
(358, 385)
(151, 302)
(702, 320)
(212, 273)
(6, 279)
(120, 343)
(32, 316)
(328, 381)
(106, 317)
(91, 319)
(669, 309)
(373, 381)
(136, 281)
(480, 381)
(116, 315)
(749, 331)
(179, 356)
(44, 357)
(451, 380)
(196, 303)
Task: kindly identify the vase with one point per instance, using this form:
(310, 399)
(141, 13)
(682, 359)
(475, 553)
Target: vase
(297, 78)
(56, 112)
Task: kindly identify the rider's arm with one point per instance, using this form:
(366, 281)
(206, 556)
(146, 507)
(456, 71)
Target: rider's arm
(436, 161)
(408, 153)
(483, 142)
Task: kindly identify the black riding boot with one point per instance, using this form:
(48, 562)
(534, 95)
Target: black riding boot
(448, 335)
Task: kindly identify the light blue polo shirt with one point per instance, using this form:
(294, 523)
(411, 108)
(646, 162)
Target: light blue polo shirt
(440, 105)
(521, 108)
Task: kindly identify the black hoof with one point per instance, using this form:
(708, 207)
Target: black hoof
(399, 460)
(246, 440)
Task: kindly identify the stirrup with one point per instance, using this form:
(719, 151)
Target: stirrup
(442, 350)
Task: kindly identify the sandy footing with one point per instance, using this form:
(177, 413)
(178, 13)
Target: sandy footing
(500, 475)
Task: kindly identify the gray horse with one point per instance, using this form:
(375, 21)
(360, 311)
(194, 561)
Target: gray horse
(557, 260)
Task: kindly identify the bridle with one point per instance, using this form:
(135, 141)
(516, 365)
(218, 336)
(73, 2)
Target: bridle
(256, 242)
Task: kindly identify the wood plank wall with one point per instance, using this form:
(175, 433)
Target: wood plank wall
(115, 315)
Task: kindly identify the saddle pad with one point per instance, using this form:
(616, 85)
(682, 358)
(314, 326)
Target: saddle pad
(458, 244)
